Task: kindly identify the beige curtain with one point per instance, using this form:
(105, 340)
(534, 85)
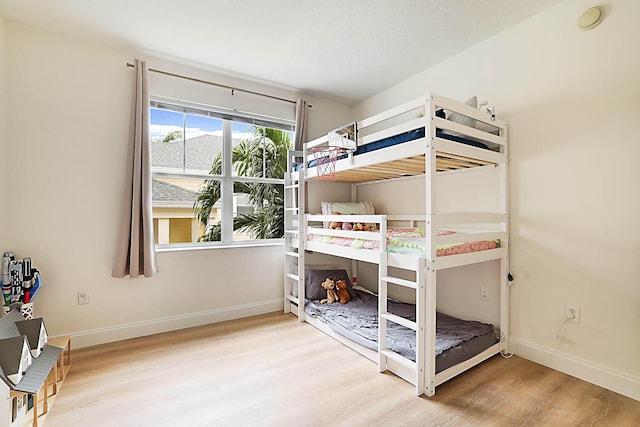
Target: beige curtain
(136, 251)
(302, 111)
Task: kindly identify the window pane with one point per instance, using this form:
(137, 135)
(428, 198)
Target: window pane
(258, 211)
(167, 145)
(174, 218)
(245, 150)
(203, 144)
(260, 151)
(208, 210)
(187, 209)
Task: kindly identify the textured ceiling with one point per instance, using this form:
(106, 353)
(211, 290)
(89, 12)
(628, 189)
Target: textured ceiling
(345, 50)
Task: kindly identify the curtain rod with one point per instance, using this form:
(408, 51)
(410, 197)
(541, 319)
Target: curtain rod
(231, 88)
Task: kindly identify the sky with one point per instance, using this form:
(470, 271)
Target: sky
(164, 121)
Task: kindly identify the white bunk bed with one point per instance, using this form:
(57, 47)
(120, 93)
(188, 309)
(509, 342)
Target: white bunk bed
(431, 153)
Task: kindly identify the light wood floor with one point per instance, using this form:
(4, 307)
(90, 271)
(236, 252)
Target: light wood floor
(271, 370)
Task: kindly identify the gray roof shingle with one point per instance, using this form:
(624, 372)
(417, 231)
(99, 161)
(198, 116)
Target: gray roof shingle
(164, 193)
(200, 151)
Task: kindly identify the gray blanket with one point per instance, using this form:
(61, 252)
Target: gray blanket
(358, 321)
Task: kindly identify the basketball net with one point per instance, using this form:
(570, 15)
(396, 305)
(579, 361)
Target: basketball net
(326, 158)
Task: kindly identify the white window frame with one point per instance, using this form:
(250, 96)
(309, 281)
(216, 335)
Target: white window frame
(227, 178)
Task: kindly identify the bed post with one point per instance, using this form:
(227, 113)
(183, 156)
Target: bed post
(429, 300)
(421, 325)
(382, 297)
(302, 230)
(505, 262)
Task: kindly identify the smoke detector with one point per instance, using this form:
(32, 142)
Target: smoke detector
(591, 18)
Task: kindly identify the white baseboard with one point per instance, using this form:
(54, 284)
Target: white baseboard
(139, 329)
(587, 371)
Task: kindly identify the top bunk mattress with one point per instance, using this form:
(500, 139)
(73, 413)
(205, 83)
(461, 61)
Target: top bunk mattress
(411, 135)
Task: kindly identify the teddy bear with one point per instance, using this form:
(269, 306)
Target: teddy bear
(361, 227)
(343, 294)
(334, 224)
(329, 285)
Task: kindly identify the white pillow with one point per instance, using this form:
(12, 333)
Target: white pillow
(345, 208)
(358, 208)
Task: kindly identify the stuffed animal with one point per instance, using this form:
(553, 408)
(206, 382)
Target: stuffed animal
(329, 285)
(343, 294)
(335, 225)
(361, 227)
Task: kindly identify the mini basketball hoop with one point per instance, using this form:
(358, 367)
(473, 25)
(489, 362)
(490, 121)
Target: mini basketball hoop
(326, 158)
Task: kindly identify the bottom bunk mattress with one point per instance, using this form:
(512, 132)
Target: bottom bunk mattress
(406, 240)
(456, 339)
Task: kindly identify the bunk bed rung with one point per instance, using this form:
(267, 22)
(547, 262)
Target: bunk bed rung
(290, 209)
(292, 231)
(292, 299)
(292, 254)
(401, 282)
(399, 359)
(399, 320)
(288, 187)
(293, 276)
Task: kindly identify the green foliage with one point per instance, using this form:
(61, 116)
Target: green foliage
(174, 135)
(264, 155)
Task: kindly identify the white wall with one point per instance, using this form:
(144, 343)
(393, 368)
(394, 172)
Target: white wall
(4, 173)
(69, 118)
(572, 100)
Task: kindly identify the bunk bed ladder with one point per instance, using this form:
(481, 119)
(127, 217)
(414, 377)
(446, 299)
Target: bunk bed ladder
(294, 239)
(418, 326)
(385, 354)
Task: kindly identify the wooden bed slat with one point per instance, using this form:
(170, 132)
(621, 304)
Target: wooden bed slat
(408, 167)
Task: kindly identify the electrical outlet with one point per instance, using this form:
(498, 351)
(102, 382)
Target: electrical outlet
(572, 313)
(484, 294)
(83, 297)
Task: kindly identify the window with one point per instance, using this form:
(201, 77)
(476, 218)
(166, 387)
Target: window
(217, 177)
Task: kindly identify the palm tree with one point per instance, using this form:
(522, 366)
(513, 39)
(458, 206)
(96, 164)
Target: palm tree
(174, 135)
(264, 155)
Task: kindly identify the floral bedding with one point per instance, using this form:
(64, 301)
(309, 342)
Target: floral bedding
(408, 240)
